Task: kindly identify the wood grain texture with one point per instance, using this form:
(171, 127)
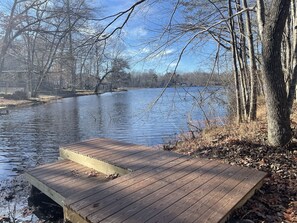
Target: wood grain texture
(154, 185)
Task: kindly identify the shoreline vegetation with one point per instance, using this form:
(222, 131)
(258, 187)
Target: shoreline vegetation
(242, 144)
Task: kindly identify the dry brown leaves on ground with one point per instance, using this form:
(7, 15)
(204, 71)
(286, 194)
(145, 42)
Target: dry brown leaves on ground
(245, 145)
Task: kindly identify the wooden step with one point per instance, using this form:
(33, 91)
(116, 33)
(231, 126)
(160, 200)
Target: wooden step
(64, 178)
(91, 162)
(105, 155)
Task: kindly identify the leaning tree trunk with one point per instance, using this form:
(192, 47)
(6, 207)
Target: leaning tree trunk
(278, 114)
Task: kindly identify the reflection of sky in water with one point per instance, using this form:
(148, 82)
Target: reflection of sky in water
(31, 136)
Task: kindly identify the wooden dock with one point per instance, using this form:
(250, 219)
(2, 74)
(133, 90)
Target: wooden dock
(149, 186)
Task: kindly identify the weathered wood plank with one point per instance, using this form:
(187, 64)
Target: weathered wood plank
(208, 179)
(57, 181)
(47, 165)
(73, 179)
(202, 204)
(72, 216)
(200, 200)
(241, 192)
(53, 168)
(162, 187)
(159, 162)
(95, 164)
(58, 198)
(101, 150)
(145, 208)
(139, 182)
(100, 145)
(84, 142)
(147, 187)
(55, 174)
(109, 153)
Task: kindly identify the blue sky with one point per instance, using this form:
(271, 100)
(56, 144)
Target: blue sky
(141, 37)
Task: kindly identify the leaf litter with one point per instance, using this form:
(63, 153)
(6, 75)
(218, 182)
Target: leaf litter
(246, 145)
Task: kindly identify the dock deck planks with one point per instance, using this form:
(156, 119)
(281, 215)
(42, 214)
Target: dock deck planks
(154, 185)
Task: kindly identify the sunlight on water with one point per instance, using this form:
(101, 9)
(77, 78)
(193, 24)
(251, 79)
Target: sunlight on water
(31, 136)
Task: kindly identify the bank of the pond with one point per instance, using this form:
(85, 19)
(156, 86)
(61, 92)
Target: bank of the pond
(246, 145)
(9, 102)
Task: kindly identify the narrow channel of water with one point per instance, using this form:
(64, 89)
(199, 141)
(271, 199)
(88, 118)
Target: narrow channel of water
(31, 136)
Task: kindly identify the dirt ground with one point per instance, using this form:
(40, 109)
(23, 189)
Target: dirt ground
(10, 103)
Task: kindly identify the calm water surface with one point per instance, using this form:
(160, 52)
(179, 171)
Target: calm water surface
(31, 136)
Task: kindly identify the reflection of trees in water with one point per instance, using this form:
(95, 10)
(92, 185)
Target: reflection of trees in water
(32, 135)
(116, 112)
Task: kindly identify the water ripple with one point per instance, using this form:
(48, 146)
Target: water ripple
(31, 136)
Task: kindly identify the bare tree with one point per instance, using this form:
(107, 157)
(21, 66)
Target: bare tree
(253, 66)
(290, 53)
(15, 24)
(278, 112)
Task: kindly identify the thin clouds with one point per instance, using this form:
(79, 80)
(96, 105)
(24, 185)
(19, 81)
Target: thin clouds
(137, 31)
(162, 53)
(140, 35)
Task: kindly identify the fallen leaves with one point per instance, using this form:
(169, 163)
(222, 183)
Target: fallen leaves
(27, 212)
(277, 199)
(92, 173)
(112, 176)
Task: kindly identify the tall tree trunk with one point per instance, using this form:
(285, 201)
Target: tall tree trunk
(71, 55)
(292, 87)
(242, 60)
(253, 67)
(278, 115)
(235, 66)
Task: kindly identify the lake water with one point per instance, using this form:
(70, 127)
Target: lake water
(31, 136)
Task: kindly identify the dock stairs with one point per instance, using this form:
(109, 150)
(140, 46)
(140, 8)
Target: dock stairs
(103, 180)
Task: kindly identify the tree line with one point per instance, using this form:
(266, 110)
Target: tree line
(152, 79)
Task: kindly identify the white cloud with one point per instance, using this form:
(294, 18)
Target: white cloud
(162, 53)
(138, 31)
(167, 52)
(88, 30)
(173, 64)
(145, 50)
